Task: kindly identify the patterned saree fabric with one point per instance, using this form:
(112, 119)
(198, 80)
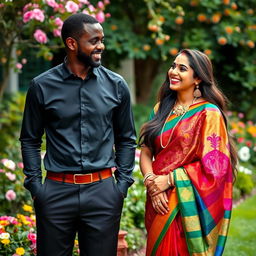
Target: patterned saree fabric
(201, 202)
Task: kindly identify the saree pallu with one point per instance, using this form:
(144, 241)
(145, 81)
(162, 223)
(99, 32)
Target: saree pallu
(201, 202)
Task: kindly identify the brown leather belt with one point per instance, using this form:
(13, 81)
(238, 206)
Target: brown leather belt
(80, 178)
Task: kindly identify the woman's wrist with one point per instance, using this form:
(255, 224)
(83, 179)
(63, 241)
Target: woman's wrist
(147, 175)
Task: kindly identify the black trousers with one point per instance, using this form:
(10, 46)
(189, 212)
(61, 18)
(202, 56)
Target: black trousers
(92, 211)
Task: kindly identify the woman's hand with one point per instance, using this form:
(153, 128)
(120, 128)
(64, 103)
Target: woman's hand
(157, 185)
(160, 203)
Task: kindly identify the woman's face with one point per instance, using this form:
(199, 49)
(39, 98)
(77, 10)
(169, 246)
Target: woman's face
(181, 75)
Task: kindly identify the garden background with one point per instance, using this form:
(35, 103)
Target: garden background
(142, 37)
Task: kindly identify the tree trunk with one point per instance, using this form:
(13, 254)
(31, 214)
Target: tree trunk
(5, 81)
(145, 72)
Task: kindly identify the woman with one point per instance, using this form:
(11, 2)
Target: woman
(188, 161)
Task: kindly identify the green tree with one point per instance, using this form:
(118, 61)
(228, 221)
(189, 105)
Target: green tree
(36, 24)
(152, 31)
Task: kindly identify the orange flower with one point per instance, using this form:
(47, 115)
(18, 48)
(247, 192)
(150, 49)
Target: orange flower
(229, 29)
(161, 18)
(194, 3)
(250, 11)
(153, 28)
(179, 20)
(173, 51)
(3, 60)
(250, 43)
(159, 41)
(216, 17)
(146, 47)
(234, 6)
(167, 38)
(18, 52)
(222, 40)
(253, 27)
(113, 27)
(227, 12)
(201, 17)
(226, 2)
(207, 51)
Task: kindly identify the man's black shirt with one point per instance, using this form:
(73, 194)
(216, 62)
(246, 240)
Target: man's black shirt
(88, 124)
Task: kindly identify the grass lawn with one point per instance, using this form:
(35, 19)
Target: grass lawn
(241, 240)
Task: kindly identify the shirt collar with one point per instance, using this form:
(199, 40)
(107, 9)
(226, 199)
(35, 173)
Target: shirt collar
(67, 73)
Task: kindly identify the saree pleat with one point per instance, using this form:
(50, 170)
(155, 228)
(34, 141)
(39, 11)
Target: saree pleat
(201, 202)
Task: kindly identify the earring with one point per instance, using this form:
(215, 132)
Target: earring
(197, 93)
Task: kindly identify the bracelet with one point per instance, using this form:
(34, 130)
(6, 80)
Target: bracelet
(147, 175)
(170, 179)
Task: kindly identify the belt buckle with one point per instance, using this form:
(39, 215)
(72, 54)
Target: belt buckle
(78, 174)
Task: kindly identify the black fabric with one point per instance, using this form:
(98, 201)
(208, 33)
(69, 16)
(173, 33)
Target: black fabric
(94, 210)
(88, 124)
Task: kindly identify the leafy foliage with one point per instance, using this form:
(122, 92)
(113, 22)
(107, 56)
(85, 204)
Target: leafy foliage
(223, 29)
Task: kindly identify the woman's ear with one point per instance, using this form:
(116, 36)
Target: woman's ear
(71, 43)
(198, 81)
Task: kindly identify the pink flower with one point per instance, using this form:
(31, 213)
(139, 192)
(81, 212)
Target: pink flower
(52, 3)
(57, 32)
(100, 17)
(10, 176)
(27, 16)
(8, 164)
(18, 65)
(100, 5)
(240, 140)
(91, 8)
(10, 195)
(83, 1)
(40, 36)
(108, 15)
(1, 170)
(71, 6)
(229, 113)
(24, 61)
(38, 15)
(20, 165)
(32, 237)
(58, 21)
(240, 115)
(106, 1)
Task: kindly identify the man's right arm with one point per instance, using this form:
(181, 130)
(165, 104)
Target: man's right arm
(31, 138)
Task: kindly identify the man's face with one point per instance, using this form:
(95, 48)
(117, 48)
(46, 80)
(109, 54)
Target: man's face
(90, 45)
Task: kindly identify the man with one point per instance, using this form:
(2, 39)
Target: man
(85, 111)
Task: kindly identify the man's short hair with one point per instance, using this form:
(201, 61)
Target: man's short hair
(73, 26)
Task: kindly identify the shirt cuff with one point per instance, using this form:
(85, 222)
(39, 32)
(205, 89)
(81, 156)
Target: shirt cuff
(33, 185)
(123, 187)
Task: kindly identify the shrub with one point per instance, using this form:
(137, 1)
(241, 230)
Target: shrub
(13, 195)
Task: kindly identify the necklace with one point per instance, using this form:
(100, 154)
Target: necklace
(180, 110)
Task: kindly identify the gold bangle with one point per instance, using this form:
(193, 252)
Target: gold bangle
(170, 179)
(147, 175)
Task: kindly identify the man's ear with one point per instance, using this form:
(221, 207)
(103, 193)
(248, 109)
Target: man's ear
(71, 43)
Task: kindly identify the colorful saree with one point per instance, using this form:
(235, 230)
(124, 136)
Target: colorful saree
(201, 202)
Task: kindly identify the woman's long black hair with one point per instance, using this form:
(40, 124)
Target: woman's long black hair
(202, 67)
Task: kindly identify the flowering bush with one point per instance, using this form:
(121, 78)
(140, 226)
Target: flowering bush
(244, 133)
(17, 234)
(13, 195)
(37, 24)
